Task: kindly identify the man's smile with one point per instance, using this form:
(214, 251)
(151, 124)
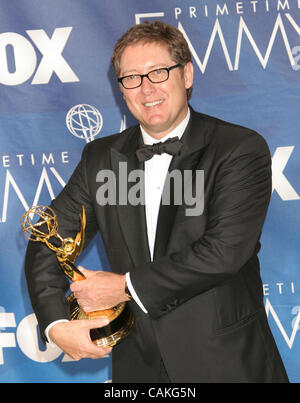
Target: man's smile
(153, 103)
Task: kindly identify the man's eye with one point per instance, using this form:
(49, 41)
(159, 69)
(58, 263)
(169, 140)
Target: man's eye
(158, 72)
(133, 77)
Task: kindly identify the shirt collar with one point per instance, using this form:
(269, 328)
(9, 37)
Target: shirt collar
(178, 131)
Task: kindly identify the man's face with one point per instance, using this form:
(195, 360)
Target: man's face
(162, 106)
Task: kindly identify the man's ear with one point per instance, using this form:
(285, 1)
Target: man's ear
(188, 75)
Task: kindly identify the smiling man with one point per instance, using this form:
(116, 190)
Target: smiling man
(158, 108)
(192, 282)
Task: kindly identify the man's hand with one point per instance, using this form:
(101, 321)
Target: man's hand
(74, 338)
(100, 290)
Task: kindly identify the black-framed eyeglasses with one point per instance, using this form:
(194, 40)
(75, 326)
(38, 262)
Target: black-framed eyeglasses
(155, 76)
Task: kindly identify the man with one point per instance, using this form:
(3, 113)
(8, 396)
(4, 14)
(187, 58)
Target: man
(194, 278)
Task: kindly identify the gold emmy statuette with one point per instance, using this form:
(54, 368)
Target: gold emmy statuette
(45, 230)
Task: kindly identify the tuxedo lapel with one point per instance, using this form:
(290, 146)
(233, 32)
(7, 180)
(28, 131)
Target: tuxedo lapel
(132, 218)
(195, 139)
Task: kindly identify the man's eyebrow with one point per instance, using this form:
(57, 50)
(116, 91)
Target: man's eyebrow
(150, 68)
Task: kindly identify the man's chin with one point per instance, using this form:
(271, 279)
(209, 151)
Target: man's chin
(156, 127)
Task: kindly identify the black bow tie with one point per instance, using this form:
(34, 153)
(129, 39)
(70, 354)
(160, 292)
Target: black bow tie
(145, 152)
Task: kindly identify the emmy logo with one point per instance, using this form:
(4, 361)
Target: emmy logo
(84, 121)
(45, 230)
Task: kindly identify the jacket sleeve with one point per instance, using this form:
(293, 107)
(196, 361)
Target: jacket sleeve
(236, 213)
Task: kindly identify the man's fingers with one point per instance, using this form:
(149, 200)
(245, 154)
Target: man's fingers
(73, 337)
(89, 350)
(95, 351)
(94, 323)
(87, 273)
(99, 352)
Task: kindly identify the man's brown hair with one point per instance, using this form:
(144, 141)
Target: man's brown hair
(158, 32)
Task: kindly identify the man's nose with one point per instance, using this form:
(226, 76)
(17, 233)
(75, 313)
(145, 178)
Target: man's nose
(147, 86)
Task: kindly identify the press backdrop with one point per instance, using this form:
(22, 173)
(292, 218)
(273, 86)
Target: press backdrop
(58, 91)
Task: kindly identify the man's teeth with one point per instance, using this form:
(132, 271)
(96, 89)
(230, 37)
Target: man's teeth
(148, 104)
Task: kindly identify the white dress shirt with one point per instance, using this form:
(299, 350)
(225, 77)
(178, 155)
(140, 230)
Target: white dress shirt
(156, 170)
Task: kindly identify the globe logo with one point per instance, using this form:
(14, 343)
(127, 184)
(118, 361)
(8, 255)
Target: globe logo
(84, 121)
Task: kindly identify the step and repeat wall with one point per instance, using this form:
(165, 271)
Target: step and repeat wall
(58, 91)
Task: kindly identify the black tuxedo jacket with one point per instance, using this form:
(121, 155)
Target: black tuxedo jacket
(203, 290)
